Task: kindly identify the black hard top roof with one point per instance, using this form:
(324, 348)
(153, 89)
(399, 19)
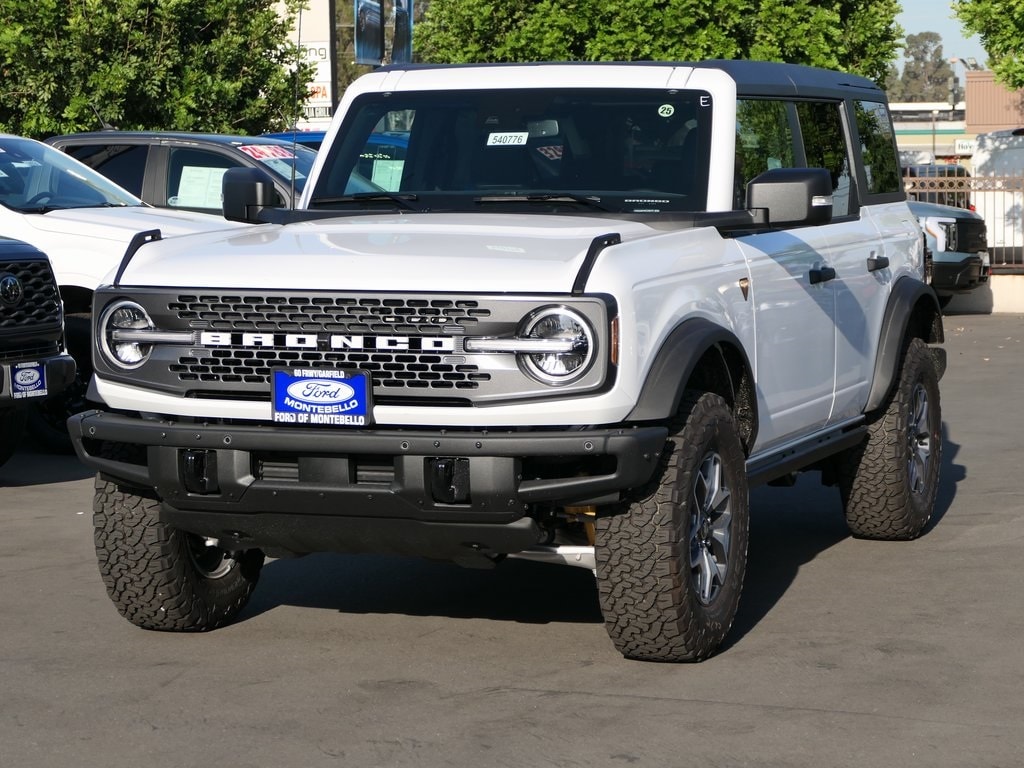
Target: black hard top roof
(753, 78)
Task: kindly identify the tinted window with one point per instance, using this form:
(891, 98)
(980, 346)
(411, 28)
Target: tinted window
(821, 127)
(878, 146)
(615, 149)
(194, 178)
(764, 141)
(36, 178)
(291, 164)
(123, 164)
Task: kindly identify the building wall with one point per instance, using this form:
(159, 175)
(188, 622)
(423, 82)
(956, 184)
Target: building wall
(990, 106)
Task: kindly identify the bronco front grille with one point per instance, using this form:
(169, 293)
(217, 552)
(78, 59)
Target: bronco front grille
(329, 314)
(413, 345)
(390, 370)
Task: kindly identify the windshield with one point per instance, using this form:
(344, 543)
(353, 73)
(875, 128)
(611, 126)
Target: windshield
(620, 150)
(280, 159)
(36, 178)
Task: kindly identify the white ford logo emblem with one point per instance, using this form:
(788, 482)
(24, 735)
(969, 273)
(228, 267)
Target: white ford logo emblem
(26, 378)
(320, 391)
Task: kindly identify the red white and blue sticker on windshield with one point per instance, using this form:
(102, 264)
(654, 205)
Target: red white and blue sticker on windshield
(312, 396)
(267, 151)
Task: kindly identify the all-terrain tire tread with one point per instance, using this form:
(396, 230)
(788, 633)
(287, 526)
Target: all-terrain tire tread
(641, 587)
(877, 500)
(148, 571)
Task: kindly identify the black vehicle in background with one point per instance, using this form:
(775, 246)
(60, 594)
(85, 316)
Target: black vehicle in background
(942, 183)
(33, 364)
(184, 170)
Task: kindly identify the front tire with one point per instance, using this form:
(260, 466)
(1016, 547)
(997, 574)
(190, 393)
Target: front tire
(163, 578)
(889, 482)
(670, 568)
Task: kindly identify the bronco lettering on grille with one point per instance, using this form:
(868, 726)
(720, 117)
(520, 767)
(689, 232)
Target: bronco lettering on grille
(328, 341)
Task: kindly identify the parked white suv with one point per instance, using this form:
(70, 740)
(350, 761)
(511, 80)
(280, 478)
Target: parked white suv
(85, 224)
(586, 310)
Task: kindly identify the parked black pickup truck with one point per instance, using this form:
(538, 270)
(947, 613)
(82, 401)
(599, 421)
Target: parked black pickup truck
(33, 364)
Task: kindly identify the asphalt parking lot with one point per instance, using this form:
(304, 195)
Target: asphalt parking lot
(845, 652)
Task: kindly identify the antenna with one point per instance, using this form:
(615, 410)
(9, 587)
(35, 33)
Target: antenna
(295, 114)
(103, 123)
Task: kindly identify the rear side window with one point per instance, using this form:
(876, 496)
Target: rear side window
(194, 178)
(764, 141)
(787, 134)
(878, 146)
(821, 126)
(123, 164)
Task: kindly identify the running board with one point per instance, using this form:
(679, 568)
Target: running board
(803, 455)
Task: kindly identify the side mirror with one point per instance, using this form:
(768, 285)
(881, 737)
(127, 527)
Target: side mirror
(248, 193)
(792, 197)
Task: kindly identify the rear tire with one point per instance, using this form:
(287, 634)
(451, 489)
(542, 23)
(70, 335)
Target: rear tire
(160, 577)
(889, 482)
(670, 568)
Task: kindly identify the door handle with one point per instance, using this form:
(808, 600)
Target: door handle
(822, 275)
(876, 263)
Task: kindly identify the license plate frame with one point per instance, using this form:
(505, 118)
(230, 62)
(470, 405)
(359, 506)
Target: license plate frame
(321, 397)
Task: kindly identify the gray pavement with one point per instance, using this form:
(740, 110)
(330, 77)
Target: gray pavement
(845, 652)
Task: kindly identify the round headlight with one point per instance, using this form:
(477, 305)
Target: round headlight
(122, 352)
(572, 356)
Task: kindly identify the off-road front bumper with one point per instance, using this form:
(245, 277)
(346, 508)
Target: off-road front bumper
(959, 276)
(408, 491)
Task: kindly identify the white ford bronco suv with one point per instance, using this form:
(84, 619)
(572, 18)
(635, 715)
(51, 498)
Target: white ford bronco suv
(571, 314)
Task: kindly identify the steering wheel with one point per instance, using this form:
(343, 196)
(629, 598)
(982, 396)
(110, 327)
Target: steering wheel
(39, 197)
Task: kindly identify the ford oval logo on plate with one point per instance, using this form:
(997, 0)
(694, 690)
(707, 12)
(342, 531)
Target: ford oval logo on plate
(28, 380)
(320, 391)
(312, 396)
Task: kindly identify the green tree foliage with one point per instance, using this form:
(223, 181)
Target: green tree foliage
(927, 75)
(199, 65)
(859, 36)
(1000, 24)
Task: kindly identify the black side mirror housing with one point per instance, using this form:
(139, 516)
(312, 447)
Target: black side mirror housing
(792, 197)
(248, 194)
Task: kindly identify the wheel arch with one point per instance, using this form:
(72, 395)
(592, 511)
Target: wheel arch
(911, 312)
(77, 300)
(698, 354)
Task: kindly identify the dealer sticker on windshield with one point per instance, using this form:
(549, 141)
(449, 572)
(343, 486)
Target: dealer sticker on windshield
(308, 396)
(516, 139)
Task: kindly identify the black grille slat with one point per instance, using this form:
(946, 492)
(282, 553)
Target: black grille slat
(404, 316)
(40, 305)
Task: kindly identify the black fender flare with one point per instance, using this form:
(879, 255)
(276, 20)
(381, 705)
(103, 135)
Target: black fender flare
(906, 296)
(675, 363)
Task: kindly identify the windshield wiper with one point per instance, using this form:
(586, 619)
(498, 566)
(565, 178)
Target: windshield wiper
(404, 199)
(591, 201)
(49, 208)
(42, 208)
